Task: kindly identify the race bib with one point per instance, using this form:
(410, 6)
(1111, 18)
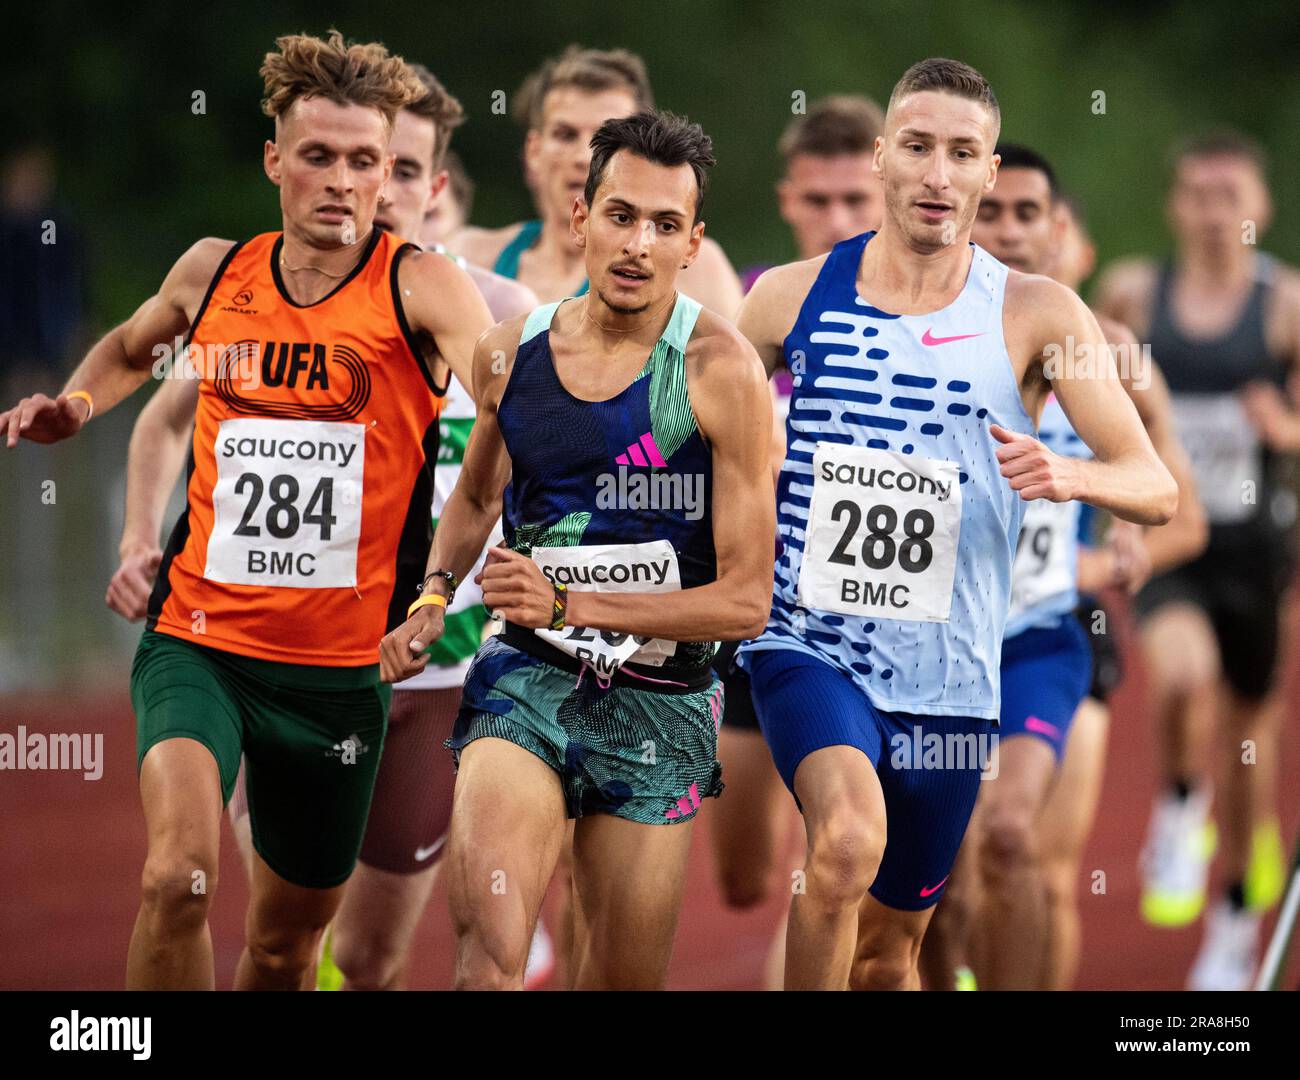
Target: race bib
(882, 534)
(1044, 549)
(287, 505)
(650, 567)
(1224, 451)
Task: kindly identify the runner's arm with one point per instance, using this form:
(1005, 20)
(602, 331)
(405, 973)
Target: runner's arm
(159, 442)
(471, 510)
(442, 304)
(1126, 477)
(1188, 530)
(119, 363)
(734, 410)
(766, 316)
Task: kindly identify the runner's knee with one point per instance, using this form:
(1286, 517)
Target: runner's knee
(843, 857)
(177, 888)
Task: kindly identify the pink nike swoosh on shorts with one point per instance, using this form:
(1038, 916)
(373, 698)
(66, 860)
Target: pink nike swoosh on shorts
(934, 888)
(1042, 727)
(928, 339)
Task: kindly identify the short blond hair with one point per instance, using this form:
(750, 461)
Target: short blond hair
(592, 70)
(435, 103)
(347, 74)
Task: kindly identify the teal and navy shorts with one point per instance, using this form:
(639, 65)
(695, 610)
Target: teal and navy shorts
(648, 756)
(311, 737)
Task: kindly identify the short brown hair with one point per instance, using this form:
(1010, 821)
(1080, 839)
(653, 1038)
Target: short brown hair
(593, 70)
(661, 137)
(1219, 142)
(305, 66)
(949, 77)
(840, 124)
(436, 104)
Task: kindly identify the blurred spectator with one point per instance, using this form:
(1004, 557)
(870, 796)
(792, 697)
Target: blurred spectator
(41, 276)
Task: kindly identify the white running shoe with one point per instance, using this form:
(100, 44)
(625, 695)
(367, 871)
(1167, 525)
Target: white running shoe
(1176, 859)
(541, 958)
(1228, 956)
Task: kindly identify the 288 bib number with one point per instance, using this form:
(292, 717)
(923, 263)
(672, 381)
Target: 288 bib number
(882, 534)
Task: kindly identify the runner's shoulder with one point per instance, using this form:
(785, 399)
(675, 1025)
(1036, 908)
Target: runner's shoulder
(479, 245)
(505, 297)
(1037, 296)
(719, 353)
(188, 280)
(789, 281)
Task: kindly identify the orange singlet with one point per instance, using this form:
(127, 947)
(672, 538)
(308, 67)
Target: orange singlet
(310, 477)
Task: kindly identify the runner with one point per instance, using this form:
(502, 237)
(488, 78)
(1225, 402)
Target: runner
(829, 192)
(321, 348)
(927, 487)
(600, 705)
(561, 105)
(1223, 320)
(369, 941)
(1046, 659)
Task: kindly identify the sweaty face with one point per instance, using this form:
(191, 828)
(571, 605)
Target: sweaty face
(638, 232)
(1015, 220)
(407, 194)
(330, 162)
(936, 161)
(829, 199)
(1211, 198)
(559, 152)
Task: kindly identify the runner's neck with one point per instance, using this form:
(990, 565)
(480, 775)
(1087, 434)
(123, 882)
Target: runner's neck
(1216, 269)
(898, 278)
(310, 272)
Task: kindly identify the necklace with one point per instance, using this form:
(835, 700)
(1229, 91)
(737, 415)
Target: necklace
(284, 265)
(634, 329)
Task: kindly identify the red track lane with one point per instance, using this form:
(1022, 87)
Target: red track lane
(71, 851)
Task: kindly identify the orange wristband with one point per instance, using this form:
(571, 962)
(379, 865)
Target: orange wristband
(90, 402)
(432, 598)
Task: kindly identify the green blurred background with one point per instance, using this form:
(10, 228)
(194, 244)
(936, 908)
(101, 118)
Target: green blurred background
(142, 176)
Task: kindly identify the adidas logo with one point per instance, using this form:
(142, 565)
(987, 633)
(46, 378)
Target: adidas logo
(644, 453)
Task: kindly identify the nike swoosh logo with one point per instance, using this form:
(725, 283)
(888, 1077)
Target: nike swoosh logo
(928, 339)
(934, 888)
(422, 853)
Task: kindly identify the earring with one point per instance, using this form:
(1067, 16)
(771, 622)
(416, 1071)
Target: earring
(381, 198)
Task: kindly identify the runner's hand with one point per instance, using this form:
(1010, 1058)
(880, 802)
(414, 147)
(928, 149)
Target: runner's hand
(128, 592)
(401, 653)
(515, 588)
(1132, 560)
(1032, 469)
(43, 419)
(1271, 415)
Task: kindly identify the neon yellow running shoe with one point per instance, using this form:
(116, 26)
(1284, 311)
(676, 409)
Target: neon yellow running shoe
(1266, 871)
(965, 979)
(328, 975)
(1176, 860)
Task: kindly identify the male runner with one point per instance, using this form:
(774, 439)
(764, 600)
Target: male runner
(561, 105)
(920, 368)
(828, 193)
(1046, 664)
(309, 482)
(1223, 321)
(601, 705)
(369, 939)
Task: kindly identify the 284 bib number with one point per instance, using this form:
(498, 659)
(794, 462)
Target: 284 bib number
(882, 534)
(287, 503)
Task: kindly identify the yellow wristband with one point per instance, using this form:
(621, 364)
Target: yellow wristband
(432, 598)
(90, 402)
